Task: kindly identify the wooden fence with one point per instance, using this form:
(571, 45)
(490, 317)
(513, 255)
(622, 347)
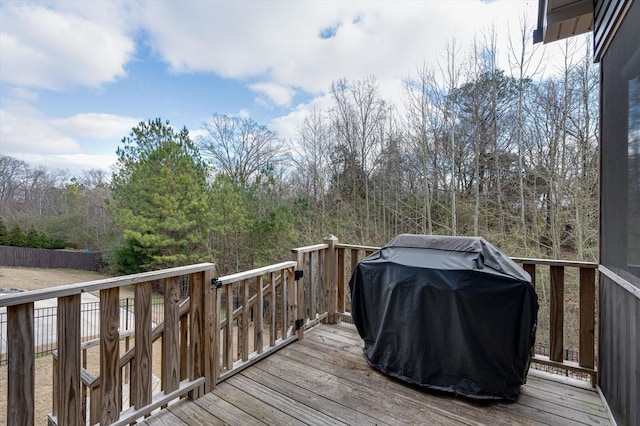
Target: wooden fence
(50, 259)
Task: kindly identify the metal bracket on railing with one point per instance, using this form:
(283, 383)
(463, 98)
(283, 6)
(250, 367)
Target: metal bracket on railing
(298, 274)
(216, 282)
(299, 324)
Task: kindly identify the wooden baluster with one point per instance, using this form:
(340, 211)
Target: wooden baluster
(341, 289)
(68, 333)
(300, 286)
(285, 290)
(587, 316)
(320, 283)
(530, 268)
(141, 371)
(84, 388)
(185, 349)
(197, 336)
(110, 378)
(273, 309)
(228, 341)
(54, 379)
(313, 280)
(354, 260)
(21, 365)
(292, 301)
(171, 335)
(94, 401)
(127, 343)
(556, 314)
(258, 317)
(244, 341)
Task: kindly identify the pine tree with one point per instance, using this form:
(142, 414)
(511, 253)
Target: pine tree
(33, 238)
(4, 234)
(160, 199)
(16, 236)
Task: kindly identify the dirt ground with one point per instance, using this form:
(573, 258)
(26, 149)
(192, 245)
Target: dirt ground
(33, 279)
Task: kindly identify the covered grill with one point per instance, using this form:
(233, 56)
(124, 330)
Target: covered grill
(447, 313)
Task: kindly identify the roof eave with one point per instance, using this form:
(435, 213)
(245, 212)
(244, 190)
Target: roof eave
(558, 19)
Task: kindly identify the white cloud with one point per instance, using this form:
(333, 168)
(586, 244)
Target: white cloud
(287, 126)
(55, 49)
(80, 142)
(22, 94)
(277, 94)
(96, 126)
(29, 133)
(278, 49)
(309, 44)
(75, 163)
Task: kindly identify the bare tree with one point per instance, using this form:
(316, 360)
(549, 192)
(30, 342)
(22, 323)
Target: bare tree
(523, 66)
(239, 147)
(451, 77)
(358, 113)
(421, 112)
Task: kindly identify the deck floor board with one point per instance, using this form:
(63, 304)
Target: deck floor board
(324, 379)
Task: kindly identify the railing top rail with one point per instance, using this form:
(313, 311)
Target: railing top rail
(90, 286)
(357, 247)
(552, 262)
(233, 278)
(309, 249)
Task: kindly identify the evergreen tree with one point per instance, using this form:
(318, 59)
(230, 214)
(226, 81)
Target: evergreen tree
(16, 236)
(160, 199)
(33, 238)
(4, 234)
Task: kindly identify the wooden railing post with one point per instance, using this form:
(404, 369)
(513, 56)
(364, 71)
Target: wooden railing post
(110, 377)
(197, 353)
(212, 301)
(587, 317)
(556, 314)
(21, 365)
(299, 259)
(292, 301)
(331, 280)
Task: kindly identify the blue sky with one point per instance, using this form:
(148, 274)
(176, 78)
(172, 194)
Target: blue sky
(75, 76)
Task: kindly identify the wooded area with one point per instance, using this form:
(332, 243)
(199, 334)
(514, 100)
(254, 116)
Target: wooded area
(471, 150)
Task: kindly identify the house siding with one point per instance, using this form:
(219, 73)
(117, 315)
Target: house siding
(617, 42)
(606, 16)
(619, 351)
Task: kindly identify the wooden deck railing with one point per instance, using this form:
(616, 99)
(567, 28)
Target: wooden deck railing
(556, 308)
(347, 256)
(225, 325)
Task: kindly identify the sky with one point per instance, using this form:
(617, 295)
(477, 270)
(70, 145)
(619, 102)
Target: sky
(76, 76)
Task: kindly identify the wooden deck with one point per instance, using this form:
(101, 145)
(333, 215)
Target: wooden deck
(324, 379)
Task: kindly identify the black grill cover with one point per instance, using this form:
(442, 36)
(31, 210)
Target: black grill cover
(447, 313)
